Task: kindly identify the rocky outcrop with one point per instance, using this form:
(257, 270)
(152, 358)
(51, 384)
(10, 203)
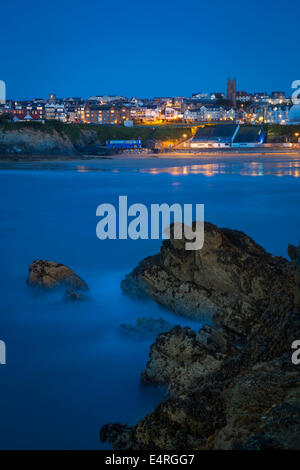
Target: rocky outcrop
(262, 406)
(232, 408)
(29, 141)
(49, 274)
(180, 357)
(294, 254)
(232, 385)
(231, 280)
(146, 326)
(56, 139)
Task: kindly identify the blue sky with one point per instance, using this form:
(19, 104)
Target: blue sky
(157, 48)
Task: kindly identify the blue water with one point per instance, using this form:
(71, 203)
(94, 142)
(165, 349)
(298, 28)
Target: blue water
(68, 369)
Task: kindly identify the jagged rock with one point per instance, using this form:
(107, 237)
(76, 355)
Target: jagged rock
(50, 274)
(118, 433)
(146, 326)
(233, 385)
(294, 254)
(180, 357)
(231, 280)
(258, 409)
(263, 402)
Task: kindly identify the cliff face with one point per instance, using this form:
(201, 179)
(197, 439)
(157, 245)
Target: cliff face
(43, 141)
(35, 142)
(231, 386)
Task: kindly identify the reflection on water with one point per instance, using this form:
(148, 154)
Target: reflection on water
(249, 168)
(282, 168)
(253, 166)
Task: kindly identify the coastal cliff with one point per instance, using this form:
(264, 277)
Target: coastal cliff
(23, 139)
(49, 139)
(231, 385)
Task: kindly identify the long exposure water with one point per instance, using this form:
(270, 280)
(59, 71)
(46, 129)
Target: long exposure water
(68, 369)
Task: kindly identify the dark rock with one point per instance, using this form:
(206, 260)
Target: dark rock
(50, 274)
(181, 357)
(118, 433)
(294, 254)
(233, 385)
(231, 280)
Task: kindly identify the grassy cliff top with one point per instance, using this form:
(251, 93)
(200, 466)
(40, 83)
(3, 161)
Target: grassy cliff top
(275, 132)
(104, 132)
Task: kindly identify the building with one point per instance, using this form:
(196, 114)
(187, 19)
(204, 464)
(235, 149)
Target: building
(193, 115)
(214, 112)
(228, 135)
(277, 95)
(218, 136)
(278, 114)
(171, 114)
(210, 112)
(249, 136)
(261, 97)
(199, 96)
(31, 112)
(29, 116)
(124, 144)
(97, 114)
(231, 91)
(55, 111)
(145, 113)
(103, 114)
(52, 98)
(107, 98)
(243, 97)
(217, 96)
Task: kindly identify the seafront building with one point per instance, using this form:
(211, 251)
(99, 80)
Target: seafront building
(228, 135)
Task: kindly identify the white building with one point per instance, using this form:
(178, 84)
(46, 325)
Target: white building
(243, 97)
(277, 114)
(172, 113)
(210, 113)
(107, 98)
(55, 111)
(144, 113)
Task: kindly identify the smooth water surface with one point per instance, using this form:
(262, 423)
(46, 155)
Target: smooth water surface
(68, 369)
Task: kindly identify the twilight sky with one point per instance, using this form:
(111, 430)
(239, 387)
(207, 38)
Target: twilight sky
(142, 48)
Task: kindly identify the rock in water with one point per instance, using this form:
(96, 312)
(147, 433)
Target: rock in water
(50, 274)
(224, 393)
(146, 326)
(231, 279)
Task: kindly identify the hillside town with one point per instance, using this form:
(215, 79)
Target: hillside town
(239, 107)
